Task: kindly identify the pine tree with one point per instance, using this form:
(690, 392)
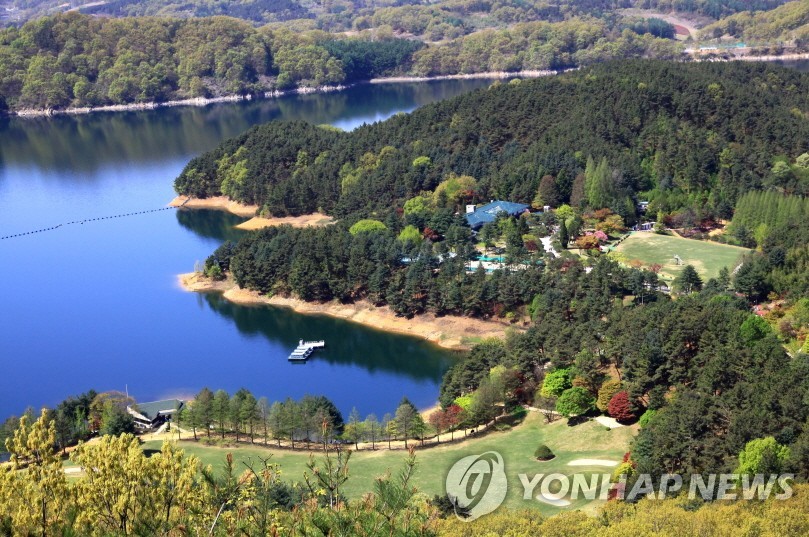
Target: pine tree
(564, 238)
(688, 281)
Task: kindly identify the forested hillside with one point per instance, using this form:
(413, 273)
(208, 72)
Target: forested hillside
(341, 15)
(700, 142)
(76, 60)
(689, 137)
(789, 22)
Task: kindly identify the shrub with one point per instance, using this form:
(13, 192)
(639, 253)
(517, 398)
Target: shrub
(606, 393)
(544, 453)
(556, 382)
(367, 226)
(625, 468)
(519, 412)
(575, 401)
(621, 407)
(647, 417)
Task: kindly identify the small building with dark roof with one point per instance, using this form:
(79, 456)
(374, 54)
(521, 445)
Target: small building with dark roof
(488, 213)
(152, 415)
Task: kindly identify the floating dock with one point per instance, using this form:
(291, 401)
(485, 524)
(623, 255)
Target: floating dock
(305, 349)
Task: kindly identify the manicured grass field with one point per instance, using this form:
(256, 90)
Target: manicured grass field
(707, 257)
(585, 441)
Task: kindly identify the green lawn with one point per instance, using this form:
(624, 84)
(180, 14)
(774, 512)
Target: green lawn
(588, 440)
(707, 257)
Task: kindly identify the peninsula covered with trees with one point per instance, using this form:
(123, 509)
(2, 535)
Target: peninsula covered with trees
(697, 143)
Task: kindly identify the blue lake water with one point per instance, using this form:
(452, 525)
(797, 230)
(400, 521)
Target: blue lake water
(96, 305)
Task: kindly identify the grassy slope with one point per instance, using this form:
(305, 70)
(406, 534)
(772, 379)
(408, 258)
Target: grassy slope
(707, 257)
(588, 440)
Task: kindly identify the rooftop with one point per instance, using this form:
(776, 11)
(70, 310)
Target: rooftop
(154, 408)
(488, 213)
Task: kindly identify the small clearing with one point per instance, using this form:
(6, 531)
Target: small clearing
(306, 220)
(607, 421)
(706, 256)
(689, 21)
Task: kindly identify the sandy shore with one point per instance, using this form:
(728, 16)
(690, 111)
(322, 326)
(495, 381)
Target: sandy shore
(449, 332)
(221, 203)
(306, 220)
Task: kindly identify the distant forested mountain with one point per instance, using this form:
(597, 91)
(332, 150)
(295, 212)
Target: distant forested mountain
(687, 137)
(78, 60)
(447, 18)
(789, 22)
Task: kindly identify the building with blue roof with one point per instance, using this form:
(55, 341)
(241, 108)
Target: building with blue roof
(488, 213)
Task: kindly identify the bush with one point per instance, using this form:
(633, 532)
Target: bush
(544, 453)
(556, 382)
(625, 468)
(621, 407)
(575, 401)
(647, 417)
(606, 393)
(519, 412)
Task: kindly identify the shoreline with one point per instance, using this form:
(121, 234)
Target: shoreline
(470, 76)
(304, 90)
(449, 332)
(223, 203)
(304, 220)
(194, 101)
(220, 203)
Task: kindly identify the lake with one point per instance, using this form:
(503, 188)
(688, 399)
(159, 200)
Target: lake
(97, 305)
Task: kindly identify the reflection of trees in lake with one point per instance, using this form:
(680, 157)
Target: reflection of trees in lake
(211, 223)
(86, 142)
(346, 343)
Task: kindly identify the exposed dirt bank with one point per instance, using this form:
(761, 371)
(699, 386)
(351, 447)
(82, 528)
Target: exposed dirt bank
(306, 220)
(221, 203)
(450, 332)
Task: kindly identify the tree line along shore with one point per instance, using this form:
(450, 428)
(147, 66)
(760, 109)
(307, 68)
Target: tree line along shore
(74, 63)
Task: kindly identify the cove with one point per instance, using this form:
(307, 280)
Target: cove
(96, 304)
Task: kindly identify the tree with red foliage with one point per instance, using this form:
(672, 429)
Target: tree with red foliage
(621, 408)
(453, 417)
(438, 420)
(430, 234)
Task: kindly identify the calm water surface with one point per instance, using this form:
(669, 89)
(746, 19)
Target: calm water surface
(96, 305)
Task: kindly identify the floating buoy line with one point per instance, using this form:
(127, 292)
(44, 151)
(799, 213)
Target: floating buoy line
(100, 218)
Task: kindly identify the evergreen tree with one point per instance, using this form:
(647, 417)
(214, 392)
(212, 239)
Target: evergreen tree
(688, 280)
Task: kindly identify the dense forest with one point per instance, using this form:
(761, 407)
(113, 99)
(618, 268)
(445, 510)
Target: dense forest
(699, 142)
(342, 15)
(81, 60)
(76, 60)
(789, 22)
(691, 139)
